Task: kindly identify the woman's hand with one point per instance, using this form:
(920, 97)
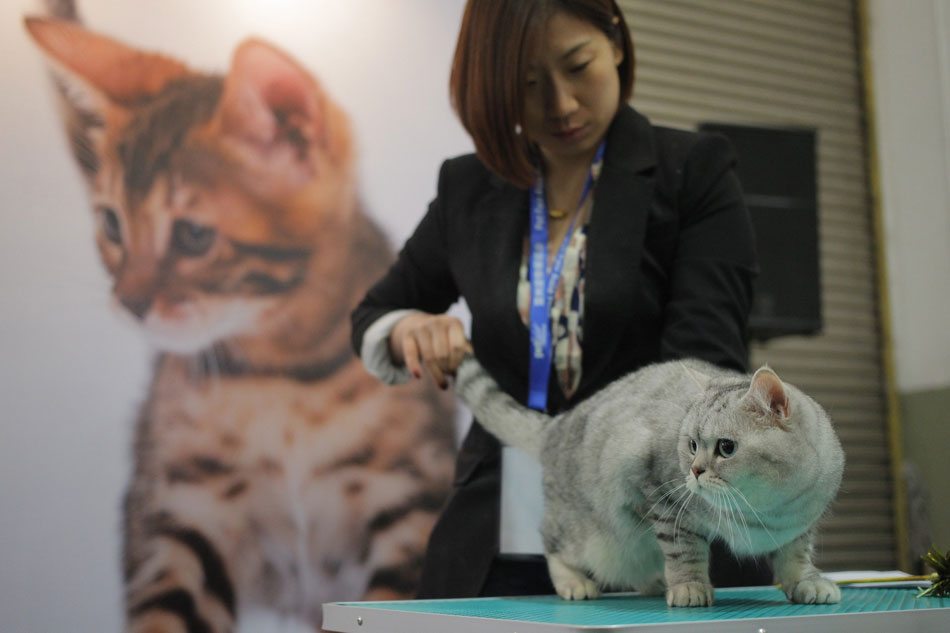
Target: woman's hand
(434, 341)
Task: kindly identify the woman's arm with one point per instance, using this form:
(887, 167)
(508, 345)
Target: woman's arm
(399, 327)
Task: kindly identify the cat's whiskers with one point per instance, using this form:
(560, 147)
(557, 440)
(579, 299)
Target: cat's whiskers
(734, 524)
(679, 515)
(716, 504)
(758, 517)
(735, 532)
(742, 520)
(665, 496)
(660, 487)
(738, 521)
(684, 493)
(719, 496)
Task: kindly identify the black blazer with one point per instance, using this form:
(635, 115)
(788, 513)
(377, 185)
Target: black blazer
(670, 265)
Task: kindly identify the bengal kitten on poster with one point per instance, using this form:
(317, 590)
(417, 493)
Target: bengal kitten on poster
(270, 469)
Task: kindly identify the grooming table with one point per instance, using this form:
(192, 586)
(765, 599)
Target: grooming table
(744, 610)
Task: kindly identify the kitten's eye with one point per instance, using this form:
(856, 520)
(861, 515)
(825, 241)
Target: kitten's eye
(726, 448)
(192, 239)
(110, 225)
(692, 446)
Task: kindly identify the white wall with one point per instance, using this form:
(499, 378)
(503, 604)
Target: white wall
(909, 49)
(910, 73)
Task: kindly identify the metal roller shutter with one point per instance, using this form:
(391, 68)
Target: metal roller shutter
(781, 62)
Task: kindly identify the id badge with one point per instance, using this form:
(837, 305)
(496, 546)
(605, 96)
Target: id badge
(522, 503)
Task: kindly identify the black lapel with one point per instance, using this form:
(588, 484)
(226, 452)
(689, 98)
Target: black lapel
(622, 200)
(501, 223)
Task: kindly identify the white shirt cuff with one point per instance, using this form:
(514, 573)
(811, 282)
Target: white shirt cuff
(375, 352)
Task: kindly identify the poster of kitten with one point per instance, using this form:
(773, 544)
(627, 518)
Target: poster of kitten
(269, 469)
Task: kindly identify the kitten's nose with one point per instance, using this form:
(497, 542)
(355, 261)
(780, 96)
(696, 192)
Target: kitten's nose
(136, 284)
(697, 471)
(138, 306)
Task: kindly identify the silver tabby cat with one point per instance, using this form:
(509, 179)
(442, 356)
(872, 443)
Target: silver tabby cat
(641, 477)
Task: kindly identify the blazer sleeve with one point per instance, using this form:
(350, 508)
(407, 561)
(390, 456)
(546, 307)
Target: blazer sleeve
(715, 262)
(420, 278)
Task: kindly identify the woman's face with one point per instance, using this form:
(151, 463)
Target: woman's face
(572, 89)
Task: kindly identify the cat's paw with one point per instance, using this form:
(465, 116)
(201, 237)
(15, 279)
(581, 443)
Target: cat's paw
(690, 594)
(577, 588)
(815, 590)
(569, 582)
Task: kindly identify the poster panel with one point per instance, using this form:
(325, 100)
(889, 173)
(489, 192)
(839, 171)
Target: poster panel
(194, 196)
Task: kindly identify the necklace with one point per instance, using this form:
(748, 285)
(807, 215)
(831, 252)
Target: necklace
(557, 214)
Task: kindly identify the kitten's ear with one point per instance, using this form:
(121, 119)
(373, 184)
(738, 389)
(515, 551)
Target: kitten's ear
(767, 396)
(274, 110)
(106, 72)
(698, 378)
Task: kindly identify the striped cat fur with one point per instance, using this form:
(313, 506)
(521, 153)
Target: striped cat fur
(639, 478)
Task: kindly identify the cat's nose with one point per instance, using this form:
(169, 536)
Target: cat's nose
(697, 471)
(138, 306)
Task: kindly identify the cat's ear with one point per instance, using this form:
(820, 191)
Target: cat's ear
(768, 397)
(697, 377)
(273, 111)
(102, 71)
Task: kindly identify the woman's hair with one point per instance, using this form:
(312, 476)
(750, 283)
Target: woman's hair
(487, 82)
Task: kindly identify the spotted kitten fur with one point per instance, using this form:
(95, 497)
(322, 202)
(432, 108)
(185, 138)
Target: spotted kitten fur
(271, 471)
(641, 477)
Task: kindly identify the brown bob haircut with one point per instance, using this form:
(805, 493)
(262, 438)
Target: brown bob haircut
(487, 82)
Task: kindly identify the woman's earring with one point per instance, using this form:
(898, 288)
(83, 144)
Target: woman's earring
(518, 129)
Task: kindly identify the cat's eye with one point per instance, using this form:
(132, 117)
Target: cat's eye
(192, 239)
(110, 225)
(692, 446)
(726, 448)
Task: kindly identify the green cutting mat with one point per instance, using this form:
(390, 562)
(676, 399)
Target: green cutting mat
(625, 611)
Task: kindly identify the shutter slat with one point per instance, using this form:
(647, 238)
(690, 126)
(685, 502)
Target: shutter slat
(778, 63)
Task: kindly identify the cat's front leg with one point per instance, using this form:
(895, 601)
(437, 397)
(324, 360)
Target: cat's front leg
(570, 582)
(686, 558)
(176, 578)
(801, 581)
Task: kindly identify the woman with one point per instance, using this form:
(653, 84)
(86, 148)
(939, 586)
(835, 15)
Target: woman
(647, 239)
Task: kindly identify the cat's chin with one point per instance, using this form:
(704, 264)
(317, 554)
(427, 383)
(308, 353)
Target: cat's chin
(192, 331)
(182, 345)
(186, 340)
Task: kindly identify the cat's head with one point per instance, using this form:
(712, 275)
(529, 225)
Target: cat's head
(753, 446)
(210, 194)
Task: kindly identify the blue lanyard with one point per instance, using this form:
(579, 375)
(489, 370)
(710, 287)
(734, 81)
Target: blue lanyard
(543, 286)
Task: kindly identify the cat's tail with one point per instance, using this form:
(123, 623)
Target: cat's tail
(501, 415)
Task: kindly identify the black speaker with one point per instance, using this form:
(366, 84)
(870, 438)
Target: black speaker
(777, 171)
